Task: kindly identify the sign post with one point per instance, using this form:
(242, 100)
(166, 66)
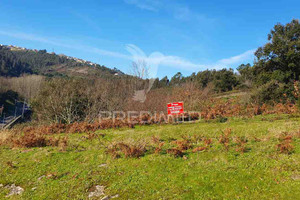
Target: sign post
(175, 108)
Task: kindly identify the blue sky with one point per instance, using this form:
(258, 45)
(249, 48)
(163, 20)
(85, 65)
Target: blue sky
(190, 36)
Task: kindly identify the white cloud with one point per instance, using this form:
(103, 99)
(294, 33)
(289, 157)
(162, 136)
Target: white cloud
(238, 59)
(177, 62)
(158, 58)
(181, 63)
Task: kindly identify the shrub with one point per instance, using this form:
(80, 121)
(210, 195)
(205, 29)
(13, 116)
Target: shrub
(92, 136)
(159, 148)
(29, 140)
(77, 127)
(270, 92)
(224, 138)
(129, 150)
(182, 145)
(241, 144)
(207, 142)
(285, 146)
(225, 80)
(175, 152)
(61, 100)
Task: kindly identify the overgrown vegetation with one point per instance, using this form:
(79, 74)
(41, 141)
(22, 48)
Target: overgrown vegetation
(257, 159)
(285, 145)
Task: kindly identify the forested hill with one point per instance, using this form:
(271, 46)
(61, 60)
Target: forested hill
(15, 61)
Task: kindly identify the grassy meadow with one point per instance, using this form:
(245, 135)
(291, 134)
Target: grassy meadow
(260, 171)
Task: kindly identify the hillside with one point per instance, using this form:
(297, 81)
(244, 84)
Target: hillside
(15, 61)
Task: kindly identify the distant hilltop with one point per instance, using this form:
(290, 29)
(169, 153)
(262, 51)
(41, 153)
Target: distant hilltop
(16, 48)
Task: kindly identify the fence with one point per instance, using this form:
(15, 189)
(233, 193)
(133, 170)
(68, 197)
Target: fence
(21, 108)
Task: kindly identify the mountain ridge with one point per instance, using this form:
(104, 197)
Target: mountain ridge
(15, 61)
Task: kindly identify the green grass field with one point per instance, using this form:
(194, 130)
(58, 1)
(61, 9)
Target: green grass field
(260, 173)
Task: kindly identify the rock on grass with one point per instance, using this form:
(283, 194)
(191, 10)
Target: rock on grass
(14, 190)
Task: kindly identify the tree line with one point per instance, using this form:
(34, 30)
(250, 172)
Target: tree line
(276, 67)
(69, 99)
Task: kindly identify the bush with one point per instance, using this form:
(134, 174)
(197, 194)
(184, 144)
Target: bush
(61, 101)
(225, 138)
(241, 144)
(225, 80)
(29, 140)
(132, 150)
(182, 145)
(175, 152)
(272, 92)
(285, 146)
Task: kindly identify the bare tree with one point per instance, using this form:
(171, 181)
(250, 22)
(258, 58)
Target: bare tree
(140, 69)
(27, 86)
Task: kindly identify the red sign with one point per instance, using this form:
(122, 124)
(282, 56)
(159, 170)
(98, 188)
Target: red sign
(175, 108)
